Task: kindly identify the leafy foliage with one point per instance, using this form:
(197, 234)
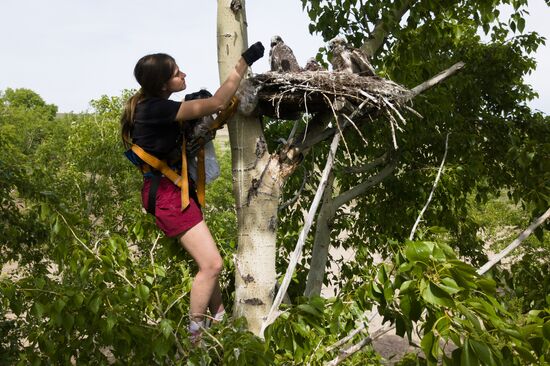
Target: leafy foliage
(97, 284)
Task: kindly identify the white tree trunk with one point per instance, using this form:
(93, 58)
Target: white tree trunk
(256, 185)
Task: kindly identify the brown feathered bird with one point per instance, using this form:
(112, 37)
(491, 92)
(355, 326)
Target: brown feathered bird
(313, 65)
(349, 59)
(281, 57)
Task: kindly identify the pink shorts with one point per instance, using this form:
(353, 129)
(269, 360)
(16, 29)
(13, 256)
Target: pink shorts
(168, 214)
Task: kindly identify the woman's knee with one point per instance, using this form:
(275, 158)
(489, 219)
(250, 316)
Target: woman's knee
(213, 266)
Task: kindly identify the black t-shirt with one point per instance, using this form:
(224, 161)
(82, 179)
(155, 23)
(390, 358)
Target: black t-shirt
(155, 128)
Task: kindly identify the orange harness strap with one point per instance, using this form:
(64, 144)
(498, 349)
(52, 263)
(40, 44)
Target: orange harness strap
(179, 180)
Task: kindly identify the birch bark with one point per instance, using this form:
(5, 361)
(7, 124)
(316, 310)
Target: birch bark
(256, 184)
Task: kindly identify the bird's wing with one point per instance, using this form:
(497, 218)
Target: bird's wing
(360, 62)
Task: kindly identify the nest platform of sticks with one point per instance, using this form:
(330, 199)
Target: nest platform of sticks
(287, 95)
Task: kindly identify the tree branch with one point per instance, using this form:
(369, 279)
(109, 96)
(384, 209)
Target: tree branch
(362, 187)
(272, 315)
(436, 79)
(419, 89)
(347, 338)
(524, 235)
(413, 230)
(381, 30)
(367, 166)
(358, 346)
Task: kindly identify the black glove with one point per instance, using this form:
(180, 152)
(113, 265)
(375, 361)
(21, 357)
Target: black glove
(203, 93)
(253, 53)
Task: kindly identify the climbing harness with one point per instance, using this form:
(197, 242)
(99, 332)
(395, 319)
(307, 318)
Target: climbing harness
(156, 168)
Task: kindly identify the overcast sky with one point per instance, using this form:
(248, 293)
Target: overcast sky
(73, 51)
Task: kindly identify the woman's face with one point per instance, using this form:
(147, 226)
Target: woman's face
(176, 82)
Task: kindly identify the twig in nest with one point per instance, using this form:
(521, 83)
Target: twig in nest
(389, 104)
(413, 111)
(391, 119)
(306, 120)
(336, 121)
(357, 129)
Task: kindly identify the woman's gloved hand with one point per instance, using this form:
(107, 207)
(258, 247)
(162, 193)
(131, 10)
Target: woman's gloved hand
(253, 53)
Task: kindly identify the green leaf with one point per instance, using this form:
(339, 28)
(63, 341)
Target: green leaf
(405, 305)
(487, 285)
(45, 211)
(427, 344)
(166, 327)
(406, 287)
(418, 250)
(107, 260)
(449, 285)
(388, 291)
(94, 304)
(442, 325)
(513, 333)
(521, 24)
(142, 291)
(483, 352)
(546, 330)
(68, 322)
(525, 354)
(59, 305)
(468, 358)
(434, 295)
(470, 316)
(38, 309)
(39, 282)
(161, 346)
(405, 267)
(78, 299)
(111, 322)
(57, 226)
(400, 327)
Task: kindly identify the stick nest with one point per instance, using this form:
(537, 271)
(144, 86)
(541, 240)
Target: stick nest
(287, 95)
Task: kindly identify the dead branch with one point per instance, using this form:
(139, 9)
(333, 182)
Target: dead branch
(436, 79)
(368, 166)
(524, 235)
(413, 230)
(359, 189)
(359, 346)
(308, 222)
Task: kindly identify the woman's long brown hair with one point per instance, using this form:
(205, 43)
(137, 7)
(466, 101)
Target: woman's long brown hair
(152, 72)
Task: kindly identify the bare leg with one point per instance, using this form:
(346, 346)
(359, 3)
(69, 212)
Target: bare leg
(205, 290)
(215, 305)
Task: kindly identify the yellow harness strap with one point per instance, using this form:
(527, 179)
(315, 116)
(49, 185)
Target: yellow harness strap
(181, 180)
(184, 182)
(168, 172)
(225, 114)
(201, 176)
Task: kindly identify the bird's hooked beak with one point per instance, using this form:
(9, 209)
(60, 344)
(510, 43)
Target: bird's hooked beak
(334, 42)
(275, 40)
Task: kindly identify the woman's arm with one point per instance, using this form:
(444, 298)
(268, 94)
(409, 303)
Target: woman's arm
(197, 108)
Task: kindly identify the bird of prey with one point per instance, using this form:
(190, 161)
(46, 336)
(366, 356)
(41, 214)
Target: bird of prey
(313, 65)
(281, 57)
(349, 59)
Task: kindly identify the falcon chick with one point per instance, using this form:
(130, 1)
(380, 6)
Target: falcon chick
(346, 58)
(313, 65)
(281, 57)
